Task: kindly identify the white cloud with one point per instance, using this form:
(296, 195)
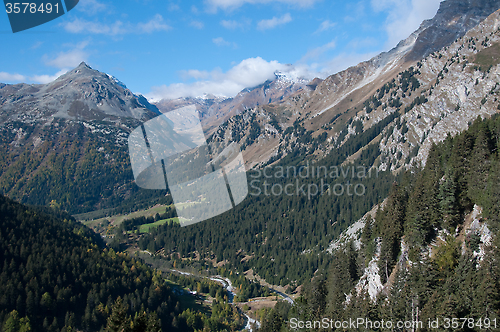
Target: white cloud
(155, 24)
(82, 26)
(196, 74)
(274, 22)
(248, 73)
(63, 61)
(344, 61)
(222, 42)
(233, 24)
(172, 7)
(213, 5)
(117, 28)
(326, 25)
(318, 63)
(44, 79)
(253, 71)
(11, 78)
(356, 12)
(37, 45)
(404, 16)
(228, 24)
(69, 59)
(362, 43)
(197, 24)
(91, 7)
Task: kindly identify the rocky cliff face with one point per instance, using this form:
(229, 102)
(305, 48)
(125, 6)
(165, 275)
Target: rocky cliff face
(401, 83)
(459, 83)
(453, 19)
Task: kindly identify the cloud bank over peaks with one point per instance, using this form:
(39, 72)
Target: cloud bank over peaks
(11, 78)
(247, 74)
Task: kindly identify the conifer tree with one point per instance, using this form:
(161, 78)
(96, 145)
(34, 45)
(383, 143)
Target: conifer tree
(118, 321)
(448, 201)
(479, 167)
(460, 163)
(14, 323)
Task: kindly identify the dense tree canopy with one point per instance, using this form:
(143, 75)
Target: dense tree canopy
(455, 281)
(55, 275)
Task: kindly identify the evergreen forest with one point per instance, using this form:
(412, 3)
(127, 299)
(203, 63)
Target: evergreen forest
(433, 265)
(57, 275)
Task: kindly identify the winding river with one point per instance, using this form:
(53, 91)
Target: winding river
(226, 283)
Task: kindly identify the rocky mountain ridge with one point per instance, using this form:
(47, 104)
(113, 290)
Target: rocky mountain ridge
(452, 21)
(66, 141)
(406, 105)
(214, 110)
(459, 83)
(360, 97)
(81, 94)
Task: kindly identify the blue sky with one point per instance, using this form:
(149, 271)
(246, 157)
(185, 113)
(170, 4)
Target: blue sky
(173, 48)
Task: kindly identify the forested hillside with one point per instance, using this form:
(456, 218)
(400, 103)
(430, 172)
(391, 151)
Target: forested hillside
(78, 166)
(282, 236)
(434, 242)
(56, 276)
(65, 143)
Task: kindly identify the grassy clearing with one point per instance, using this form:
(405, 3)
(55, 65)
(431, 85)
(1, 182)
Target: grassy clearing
(488, 57)
(119, 218)
(146, 227)
(101, 224)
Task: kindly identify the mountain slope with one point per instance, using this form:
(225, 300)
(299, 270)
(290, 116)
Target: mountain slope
(356, 93)
(452, 21)
(215, 110)
(389, 131)
(429, 254)
(80, 94)
(39, 123)
(55, 272)
(66, 141)
(457, 86)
